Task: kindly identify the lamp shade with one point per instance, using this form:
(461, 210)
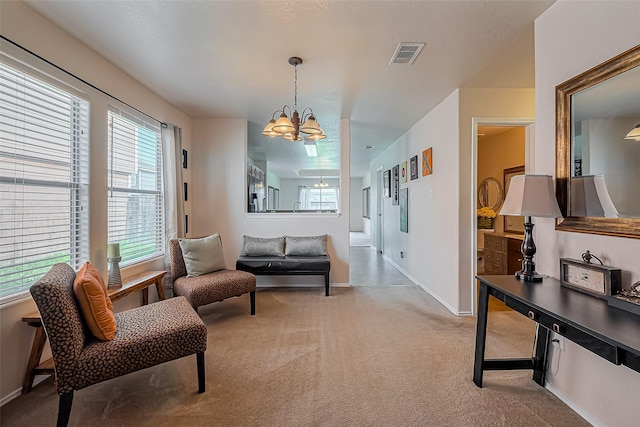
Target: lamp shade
(311, 126)
(317, 136)
(589, 197)
(289, 136)
(634, 134)
(268, 129)
(283, 125)
(531, 195)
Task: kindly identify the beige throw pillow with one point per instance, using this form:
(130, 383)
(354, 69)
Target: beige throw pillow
(202, 256)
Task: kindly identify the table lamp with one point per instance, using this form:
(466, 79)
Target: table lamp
(529, 196)
(589, 197)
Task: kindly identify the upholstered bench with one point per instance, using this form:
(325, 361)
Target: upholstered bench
(286, 256)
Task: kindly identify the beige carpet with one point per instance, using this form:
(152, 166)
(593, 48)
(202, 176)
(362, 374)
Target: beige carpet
(386, 356)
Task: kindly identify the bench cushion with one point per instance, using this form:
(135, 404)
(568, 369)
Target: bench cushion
(261, 246)
(287, 265)
(306, 246)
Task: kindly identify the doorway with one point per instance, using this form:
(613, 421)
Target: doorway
(379, 212)
(501, 149)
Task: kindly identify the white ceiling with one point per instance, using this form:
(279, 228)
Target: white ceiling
(229, 59)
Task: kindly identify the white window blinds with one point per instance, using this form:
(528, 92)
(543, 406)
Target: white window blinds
(43, 180)
(325, 198)
(135, 196)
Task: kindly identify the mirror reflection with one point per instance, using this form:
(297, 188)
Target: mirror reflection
(603, 156)
(285, 177)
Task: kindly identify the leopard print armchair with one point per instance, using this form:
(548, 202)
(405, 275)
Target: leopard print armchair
(145, 336)
(211, 287)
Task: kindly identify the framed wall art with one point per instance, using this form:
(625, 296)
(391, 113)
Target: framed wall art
(185, 163)
(413, 164)
(403, 172)
(427, 161)
(395, 184)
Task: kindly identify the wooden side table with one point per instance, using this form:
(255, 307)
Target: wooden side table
(140, 282)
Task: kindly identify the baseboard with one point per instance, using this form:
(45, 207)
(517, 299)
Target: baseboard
(576, 408)
(9, 397)
(426, 288)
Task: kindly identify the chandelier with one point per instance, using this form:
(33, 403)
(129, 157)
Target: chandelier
(321, 183)
(634, 134)
(291, 128)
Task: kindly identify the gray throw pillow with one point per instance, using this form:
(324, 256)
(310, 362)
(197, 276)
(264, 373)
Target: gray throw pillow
(259, 246)
(306, 246)
(202, 256)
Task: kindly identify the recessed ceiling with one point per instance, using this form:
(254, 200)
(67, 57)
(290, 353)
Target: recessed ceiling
(229, 58)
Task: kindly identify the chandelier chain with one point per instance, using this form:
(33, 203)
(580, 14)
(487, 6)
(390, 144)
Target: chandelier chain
(295, 89)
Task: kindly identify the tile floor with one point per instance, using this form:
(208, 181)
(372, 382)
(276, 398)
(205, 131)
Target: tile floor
(367, 267)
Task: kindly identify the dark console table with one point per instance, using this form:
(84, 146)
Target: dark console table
(609, 332)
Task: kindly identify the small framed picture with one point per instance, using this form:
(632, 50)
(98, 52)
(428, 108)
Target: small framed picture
(186, 191)
(185, 163)
(395, 184)
(413, 166)
(403, 172)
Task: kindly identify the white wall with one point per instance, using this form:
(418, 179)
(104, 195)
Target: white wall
(48, 41)
(480, 104)
(219, 147)
(440, 246)
(356, 222)
(572, 37)
(430, 246)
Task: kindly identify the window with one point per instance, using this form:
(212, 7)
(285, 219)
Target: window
(135, 193)
(43, 180)
(322, 198)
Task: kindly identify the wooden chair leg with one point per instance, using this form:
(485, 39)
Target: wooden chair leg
(252, 296)
(64, 409)
(201, 378)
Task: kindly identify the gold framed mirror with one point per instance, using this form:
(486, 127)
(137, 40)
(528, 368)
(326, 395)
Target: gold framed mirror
(569, 134)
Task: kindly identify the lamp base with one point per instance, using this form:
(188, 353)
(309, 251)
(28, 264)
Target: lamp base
(528, 249)
(115, 280)
(528, 277)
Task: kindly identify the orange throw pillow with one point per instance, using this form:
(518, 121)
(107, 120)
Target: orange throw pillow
(95, 305)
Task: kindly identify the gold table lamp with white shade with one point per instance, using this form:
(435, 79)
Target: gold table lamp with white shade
(530, 196)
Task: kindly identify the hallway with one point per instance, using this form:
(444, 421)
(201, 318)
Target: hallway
(367, 267)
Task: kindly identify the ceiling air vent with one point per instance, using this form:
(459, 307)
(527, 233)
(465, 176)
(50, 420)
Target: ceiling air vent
(406, 53)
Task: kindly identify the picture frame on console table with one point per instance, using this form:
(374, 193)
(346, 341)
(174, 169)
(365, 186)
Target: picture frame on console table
(597, 280)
